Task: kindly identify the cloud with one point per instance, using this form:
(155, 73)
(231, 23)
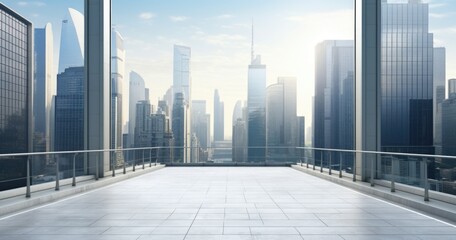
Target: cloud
(437, 15)
(146, 15)
(222, 39)
(225, 16)
(296, 18)
(31, 4)
(178, 18)
(437, 5)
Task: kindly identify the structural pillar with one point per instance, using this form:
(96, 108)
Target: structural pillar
(367, 84)
(97, 53)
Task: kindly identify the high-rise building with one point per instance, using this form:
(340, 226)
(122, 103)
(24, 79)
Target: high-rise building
(72, 41)
(16, 128)
(117, 79)
(448, 108)
(69, 110)
(451, 88)
(256, 120)
(200, 125)
(219, 118)
(142, 134)
(333, 120)
(182, 83)
(439, 95)
(44, 88)
(179, 128)
(281, 120)
(239, 133)
(406, 78)
(137, 93)
(301, 131)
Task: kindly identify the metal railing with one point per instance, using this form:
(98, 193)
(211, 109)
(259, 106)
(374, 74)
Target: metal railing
(393, 167)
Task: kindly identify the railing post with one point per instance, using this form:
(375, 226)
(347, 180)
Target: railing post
(340, 164)
(143, 158)
(314, 156)
(321, 161)
(354, 168)
(150, 157)
(372, 172)
(57, 186)
(97, 162)
(113, 166)
(426, 182)
(74, 170)
(156, 157)
(124, 163)
(330, 163)
(307, 159)
(27, 193)
(393, 175)
(134, 161)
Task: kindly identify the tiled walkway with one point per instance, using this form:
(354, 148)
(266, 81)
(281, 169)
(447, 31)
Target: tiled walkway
(223, 203)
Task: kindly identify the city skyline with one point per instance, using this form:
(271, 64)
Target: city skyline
(225, 41)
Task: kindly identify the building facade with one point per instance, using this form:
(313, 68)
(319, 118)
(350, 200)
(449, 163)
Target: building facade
(219, 118)
(16, 70)
(117, 80)
(137, 93)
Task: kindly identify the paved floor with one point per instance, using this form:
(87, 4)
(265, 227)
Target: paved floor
(223, 203)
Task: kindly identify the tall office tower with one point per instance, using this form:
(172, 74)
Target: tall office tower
(448, 107)
(142, 133)
(200, 125)
(239, 133)
(281, 120)
(168, 97)
(72, 41)
(219, 126)
(16, 127)
(333, 104)
(451, 88)
(117, 79)
(44, 89)
(160, 131)
(69, 110)
(439, 95)
(137, 93)
(256, 120)
(406, 78)
(163, 107)
(179, 128)
(182, 83)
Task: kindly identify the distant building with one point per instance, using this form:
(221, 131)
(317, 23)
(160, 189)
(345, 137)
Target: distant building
(281, 121)
(219, 118)
(201, 129)
(117, 80)
(16, 128)
(137, 93)
(44, 89)
(256, 118)
(449, 128)
(451, 88)
(239, 133)
(179, 128)
(72, 41)
(301, 134)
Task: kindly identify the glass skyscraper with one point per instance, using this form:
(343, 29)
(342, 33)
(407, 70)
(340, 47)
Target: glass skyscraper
(406, 78)
(256, 123)
(117, 79)
(16, 93)
(219, 119)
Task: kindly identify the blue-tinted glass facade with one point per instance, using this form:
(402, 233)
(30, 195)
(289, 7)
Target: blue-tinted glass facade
(406, 78)
(15, 94)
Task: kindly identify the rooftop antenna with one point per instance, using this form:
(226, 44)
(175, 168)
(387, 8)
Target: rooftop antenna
(252, 52)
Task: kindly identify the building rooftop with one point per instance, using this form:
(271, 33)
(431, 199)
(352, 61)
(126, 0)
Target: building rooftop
(223, 203)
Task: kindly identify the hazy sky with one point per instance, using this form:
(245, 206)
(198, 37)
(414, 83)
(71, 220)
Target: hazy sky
(219, 33)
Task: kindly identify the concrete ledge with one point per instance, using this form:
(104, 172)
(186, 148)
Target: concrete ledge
(15, 204)
(445, 211)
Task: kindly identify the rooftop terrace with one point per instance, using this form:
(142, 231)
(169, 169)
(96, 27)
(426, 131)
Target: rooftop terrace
(223, 203)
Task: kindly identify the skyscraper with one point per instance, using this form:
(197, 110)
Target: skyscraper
(256, 120)
(143, 133)
(281, 120)
(334, 96)
(69, 110)
(179, 128)
(182, 82)
(200, 125)
(137, 93)
(448, 108)
(45, 87)
(219, 118)
(239, 133)
(16, 128)
(72, 41)
(439, 95)
(451, 88)
(117, 79)
(406, 78)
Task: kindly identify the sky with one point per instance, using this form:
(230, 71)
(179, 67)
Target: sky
(219, 34)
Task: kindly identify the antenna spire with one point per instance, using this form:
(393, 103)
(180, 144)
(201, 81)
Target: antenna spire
(252, 52)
